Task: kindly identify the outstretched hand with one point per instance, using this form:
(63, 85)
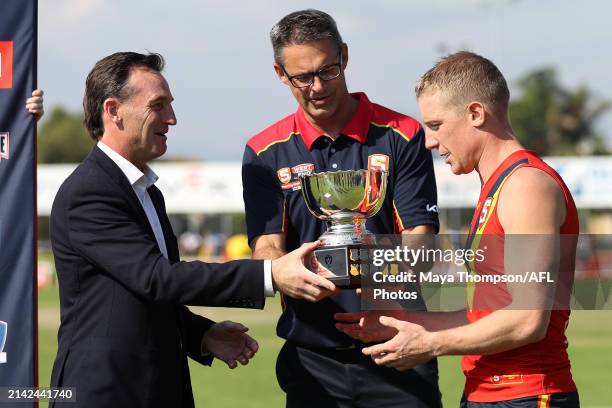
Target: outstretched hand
(229, 342)
(365, 326)
(291, 277)
(412, 345)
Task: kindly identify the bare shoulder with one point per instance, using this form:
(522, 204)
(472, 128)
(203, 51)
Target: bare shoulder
(531, 202)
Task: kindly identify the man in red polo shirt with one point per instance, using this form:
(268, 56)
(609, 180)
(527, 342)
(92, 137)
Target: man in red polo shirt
(512, 357)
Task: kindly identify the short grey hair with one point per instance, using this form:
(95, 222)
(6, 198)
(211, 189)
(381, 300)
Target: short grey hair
(301, 27)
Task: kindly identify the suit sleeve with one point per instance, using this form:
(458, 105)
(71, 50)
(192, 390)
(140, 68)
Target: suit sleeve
(415, 197)
(264, 202)
(193, 328)
(102, 228)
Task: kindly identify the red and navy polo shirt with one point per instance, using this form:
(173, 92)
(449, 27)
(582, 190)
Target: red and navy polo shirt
(374, 138)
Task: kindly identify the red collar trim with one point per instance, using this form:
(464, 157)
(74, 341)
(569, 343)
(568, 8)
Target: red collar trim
(357, 128)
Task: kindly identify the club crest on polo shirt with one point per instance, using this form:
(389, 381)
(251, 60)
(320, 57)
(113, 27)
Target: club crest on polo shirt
(378, 162)
(4, 145)
(3, 332)
(284, 175)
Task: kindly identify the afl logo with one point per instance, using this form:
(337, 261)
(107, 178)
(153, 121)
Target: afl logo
(284, 175)
(485, 211)
(378, 162)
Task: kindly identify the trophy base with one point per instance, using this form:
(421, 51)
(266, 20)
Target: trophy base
(347, 262)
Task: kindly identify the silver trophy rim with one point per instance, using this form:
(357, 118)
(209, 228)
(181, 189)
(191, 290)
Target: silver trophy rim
(346, 227)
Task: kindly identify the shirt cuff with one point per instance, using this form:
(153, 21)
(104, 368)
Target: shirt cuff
(268, 286)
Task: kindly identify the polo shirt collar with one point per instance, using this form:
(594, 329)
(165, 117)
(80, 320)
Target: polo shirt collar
(357, 128)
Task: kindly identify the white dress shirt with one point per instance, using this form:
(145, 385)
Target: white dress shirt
(140, 183)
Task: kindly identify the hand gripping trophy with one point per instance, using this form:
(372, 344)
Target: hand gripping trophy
(345, 199)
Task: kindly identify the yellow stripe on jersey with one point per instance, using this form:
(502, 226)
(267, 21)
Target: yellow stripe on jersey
(396, 130)
(277, 141)
(544, 401)
(471, 286)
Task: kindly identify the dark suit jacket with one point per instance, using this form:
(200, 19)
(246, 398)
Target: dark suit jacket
(125, 333)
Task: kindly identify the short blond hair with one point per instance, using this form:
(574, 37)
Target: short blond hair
(464, 77)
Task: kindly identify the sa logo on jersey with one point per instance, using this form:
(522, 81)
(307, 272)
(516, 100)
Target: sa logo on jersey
(4, 145)
(3, 331)
(485, 211)
(378, 162)
(284, 175)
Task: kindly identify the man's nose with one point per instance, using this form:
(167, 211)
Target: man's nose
(317, 84)
(171, 119)
(430, 141)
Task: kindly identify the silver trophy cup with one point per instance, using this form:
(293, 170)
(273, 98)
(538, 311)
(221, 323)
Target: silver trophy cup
(345, 199)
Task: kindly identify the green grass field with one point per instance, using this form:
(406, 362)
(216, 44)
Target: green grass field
(590, 346)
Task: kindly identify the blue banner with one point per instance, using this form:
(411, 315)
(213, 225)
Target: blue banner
(18, 331)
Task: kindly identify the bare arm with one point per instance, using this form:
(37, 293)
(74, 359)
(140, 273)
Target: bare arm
(270, 246)
(530, 203)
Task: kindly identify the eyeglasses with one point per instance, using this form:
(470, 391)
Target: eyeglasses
(325, 74)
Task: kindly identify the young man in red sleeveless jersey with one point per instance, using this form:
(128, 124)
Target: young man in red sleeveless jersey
(512, 357)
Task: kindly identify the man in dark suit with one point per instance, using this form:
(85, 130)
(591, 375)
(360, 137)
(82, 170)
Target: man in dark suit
(125, 331)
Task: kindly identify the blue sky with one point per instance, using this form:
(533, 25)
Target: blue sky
(219, 60)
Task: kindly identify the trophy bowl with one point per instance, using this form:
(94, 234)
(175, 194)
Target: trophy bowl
(345, 199)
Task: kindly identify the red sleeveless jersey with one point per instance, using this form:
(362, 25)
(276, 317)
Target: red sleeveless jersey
(538, 368)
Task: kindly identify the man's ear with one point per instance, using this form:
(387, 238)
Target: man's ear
(476, 113)
(110, 109)
(345, 55)
(280, 73)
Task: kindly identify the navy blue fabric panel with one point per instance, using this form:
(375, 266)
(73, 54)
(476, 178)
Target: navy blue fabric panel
(17, 195)
(415, 195)
(262, 195)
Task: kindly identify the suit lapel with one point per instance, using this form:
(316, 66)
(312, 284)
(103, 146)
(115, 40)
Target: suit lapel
(115, 173)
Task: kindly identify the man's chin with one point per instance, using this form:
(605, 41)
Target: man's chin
(160, 151)
(321, 113)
